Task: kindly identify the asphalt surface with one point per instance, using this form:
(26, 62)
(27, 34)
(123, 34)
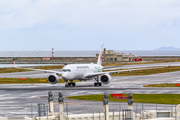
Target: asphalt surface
(16, 99)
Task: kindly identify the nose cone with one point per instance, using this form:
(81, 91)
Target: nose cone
(65, 75)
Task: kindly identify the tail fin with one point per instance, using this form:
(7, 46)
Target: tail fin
(100, 55)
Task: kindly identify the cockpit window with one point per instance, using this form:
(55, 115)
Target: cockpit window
(66, 70)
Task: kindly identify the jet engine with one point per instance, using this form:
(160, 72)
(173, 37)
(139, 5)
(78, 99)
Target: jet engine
(53, 79)
(105, 78)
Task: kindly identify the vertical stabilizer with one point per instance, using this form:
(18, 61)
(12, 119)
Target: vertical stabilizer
(100, 55)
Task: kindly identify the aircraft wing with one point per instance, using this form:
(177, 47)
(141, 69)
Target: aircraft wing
(118, 71)
(102, 73)
(46, 71)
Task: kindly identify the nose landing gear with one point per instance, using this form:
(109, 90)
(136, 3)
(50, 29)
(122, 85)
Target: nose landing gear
(71, 84)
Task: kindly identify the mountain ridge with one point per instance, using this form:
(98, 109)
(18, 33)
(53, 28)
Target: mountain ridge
(167, 48)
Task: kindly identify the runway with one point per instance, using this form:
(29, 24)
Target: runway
(91, 88)
(16, 99)
(40, 74)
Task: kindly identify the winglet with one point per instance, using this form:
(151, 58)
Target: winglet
(100, 55)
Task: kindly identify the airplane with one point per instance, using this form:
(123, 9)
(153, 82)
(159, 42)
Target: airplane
(82, 72)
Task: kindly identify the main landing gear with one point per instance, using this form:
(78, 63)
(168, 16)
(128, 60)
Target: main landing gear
(98, 83)
(71, 84)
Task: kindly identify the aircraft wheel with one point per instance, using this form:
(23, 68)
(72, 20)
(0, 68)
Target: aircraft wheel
(69, 84)
(66, 85)
(100, 84)
(73, 84)
(95, 84)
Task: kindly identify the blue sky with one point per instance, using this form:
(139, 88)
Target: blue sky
(35, 25)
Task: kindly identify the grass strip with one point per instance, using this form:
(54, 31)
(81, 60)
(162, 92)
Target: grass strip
(26, 80)
(49, 67)
(162, 85)
(11, 70)
(138, 98)
(148, 71)
(135, 63)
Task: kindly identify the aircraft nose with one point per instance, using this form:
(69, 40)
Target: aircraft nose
(65, 76)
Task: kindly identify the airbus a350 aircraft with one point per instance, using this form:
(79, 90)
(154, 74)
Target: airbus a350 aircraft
(82, 72)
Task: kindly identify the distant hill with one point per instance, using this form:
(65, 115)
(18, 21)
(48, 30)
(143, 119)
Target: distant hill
(167, 48)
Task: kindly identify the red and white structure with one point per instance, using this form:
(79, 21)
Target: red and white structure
(52, 52)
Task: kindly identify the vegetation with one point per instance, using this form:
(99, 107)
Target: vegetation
(25, 80)
(148, 71)
(139, 98)
(134, 63)
(162, 85)
(10, 70)
(49, 67)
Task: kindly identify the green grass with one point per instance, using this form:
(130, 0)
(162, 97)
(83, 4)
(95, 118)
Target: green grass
(49, 67)
(162, 85)
(148, 71)
(135, 63)
(27, 80)
(139, 98)
(11, 70)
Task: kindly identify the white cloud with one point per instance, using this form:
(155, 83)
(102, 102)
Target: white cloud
(25, 14)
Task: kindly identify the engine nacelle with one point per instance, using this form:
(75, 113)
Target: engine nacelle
(53, 79)
(105, 78)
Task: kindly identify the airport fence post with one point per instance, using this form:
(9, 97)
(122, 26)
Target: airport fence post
(113, 114)
(61, 103)
(39, 111)
(175, 113)
(142, 110)
(67, 109)
(136, 108)
(120, 104)
(31, 111)
(47, 110)
(156, 110)
(99, 115)
(171, 111)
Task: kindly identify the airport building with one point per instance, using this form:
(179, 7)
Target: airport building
(111, 56)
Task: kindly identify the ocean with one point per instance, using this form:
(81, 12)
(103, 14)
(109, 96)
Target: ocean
(84, 53)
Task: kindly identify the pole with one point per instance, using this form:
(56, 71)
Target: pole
(67, 109)
(156, 110)
(31, 111)
(113, 114)
(171, 111)
(93, 115)
(142, 110)
(47, 110)
(119, 115)
(136, 108)
(175, 112)
(99, 115)
(120, 104)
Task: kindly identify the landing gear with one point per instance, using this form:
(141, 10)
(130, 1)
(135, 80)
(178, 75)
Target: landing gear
(66, 85)
(71, 84)
(98, 83)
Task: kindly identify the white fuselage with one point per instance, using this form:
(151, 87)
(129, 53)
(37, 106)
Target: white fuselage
(78, 71)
